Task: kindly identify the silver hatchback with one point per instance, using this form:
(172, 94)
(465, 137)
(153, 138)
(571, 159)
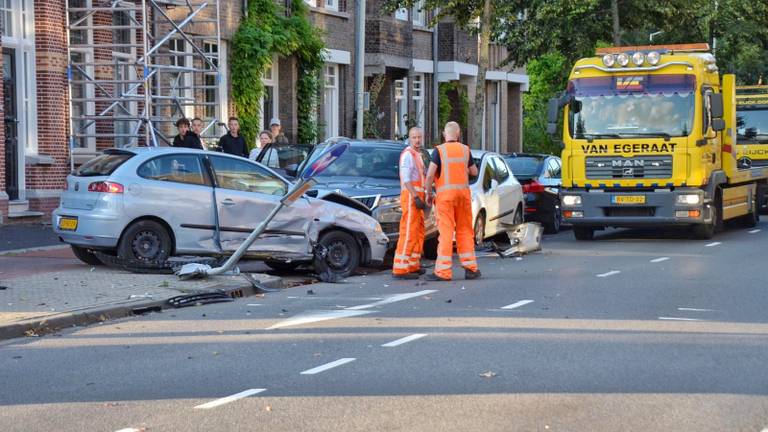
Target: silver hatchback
(144, 205)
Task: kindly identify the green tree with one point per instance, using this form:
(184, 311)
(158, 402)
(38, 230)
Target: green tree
(546, 78)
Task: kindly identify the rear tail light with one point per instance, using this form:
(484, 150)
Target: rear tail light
(106, 187)
(533, 186)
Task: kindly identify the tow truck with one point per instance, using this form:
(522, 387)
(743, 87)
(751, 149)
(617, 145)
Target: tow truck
(649, 136)
(752, 131)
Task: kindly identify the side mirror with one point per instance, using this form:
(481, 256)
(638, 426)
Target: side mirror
(716, 106)
(718, 125)
(553, 110)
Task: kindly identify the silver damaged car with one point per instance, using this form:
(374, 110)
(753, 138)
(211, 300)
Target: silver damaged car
(146, 204)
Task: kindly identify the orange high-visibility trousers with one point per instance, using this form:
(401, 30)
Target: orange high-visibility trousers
(410, 244)
(454, 214)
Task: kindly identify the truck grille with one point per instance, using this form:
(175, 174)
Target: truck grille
(629, 211)
(629, 168)
(369, 201)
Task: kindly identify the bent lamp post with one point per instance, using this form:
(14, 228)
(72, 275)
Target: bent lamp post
(195, 270)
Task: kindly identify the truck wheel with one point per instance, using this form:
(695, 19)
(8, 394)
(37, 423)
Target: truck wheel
(342, 256)
(552, 226)
(708, 230)
(584, 233)
(85, 255)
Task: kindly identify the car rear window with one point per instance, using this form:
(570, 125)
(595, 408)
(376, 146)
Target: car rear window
(525, 166)
(103, 164)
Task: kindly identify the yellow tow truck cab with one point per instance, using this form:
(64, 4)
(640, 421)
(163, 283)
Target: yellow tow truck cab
(649, 136)
(752, 129)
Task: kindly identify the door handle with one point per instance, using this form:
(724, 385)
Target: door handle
(228, 202)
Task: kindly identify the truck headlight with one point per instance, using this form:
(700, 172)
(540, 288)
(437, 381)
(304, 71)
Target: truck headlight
(622, 59)
(689, 199)
(571, 200)
(653, 58)
(638, 58)
(609, 60)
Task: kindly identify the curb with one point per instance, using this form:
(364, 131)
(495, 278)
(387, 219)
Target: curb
(51, 324)
(33, 249)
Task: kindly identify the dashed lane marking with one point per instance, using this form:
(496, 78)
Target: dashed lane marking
(325, 367)
(317, 316)
(678, 319)
(755, 231)
(658, 260)
(696, 310)
(610, 273)
(404, 340)
(228, 399)
(713, 244)
(517, 304)
(392, 299)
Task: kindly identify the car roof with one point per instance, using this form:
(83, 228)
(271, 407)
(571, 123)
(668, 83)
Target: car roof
(366, 142)
(530, 155)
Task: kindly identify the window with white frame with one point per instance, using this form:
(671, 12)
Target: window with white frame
(401, 14)
(331, 5)
(418, 99)
(210, 83)
(9, 26)
(312, 3)
(419, 14)
(181, 82)
(331, 100)
(269, 103)
(401, 108)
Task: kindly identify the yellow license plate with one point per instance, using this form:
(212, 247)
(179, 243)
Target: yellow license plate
(628, 199)
(68, 224)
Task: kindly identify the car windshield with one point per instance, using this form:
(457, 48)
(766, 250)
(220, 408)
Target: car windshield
(752, 126)
(632, 106)
(362, 161)
(525, 166)
(103, 164)
(284, 156)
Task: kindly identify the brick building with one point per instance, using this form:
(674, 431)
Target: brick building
(36, 104)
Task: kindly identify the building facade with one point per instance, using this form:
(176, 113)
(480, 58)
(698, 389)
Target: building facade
(78, 91)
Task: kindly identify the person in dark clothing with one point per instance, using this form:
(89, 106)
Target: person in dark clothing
(278, 137)
(233, 143)
(182, 125)
(192, 138)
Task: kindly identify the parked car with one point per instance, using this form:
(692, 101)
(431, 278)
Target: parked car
(284, 159)
(541, 179)
(147, 204)
(497, 197)
(369, 172)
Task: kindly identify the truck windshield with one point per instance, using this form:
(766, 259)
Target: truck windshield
(752, 125)
(632, 106)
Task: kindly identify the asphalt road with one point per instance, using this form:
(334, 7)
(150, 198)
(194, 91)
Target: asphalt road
(636, 331)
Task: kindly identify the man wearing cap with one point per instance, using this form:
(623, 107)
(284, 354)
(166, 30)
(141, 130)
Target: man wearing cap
(278, 138)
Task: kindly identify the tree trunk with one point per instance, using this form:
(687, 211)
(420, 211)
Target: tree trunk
(483, 55)
(616, 25)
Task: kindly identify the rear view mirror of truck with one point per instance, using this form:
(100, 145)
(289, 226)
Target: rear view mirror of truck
(553, 110)
(716, 106)
(718, 125)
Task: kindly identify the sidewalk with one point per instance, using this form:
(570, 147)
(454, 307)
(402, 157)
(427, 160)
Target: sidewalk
(25, 236)
(42, 291)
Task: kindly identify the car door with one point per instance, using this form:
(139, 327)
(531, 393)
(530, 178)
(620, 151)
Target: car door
(245, 194)
(176, 188)
(507, 192)
(488, 198)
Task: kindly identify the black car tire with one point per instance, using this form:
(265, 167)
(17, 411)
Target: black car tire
(552, 226)
(430, 248)
(479, 228)
(342, 256)
(145, 241)
(584, 233)
(86, 255)
(282, 266)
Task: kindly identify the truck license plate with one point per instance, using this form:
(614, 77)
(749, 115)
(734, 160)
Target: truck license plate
(628, 199)
(68, 224)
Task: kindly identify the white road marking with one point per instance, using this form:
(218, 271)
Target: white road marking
(713, 244)
(658, 260)
(696, 310)
(678, 319)
(610, 273)
(392, 299)
(317, 316)
(129, 430)
(404, 340)
(325, 367)
(517, 304)
(755, 231)
(228, 399)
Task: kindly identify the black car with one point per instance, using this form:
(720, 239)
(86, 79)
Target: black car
(540, 175)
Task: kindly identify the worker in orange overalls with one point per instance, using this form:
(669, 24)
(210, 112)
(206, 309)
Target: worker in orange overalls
(407, 263)
(452, 165)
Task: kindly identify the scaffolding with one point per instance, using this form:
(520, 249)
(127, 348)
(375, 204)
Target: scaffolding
(136, 67)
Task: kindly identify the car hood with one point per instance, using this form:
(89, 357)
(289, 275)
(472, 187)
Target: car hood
(357, 186)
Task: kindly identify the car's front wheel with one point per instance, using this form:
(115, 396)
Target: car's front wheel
(339, 257)
(85, 255)
(145, 241)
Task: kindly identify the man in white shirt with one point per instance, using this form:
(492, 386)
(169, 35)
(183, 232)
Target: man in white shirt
(407, 264)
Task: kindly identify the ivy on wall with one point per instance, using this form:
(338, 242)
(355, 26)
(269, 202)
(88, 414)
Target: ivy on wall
(268, 30)
(453, 104)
